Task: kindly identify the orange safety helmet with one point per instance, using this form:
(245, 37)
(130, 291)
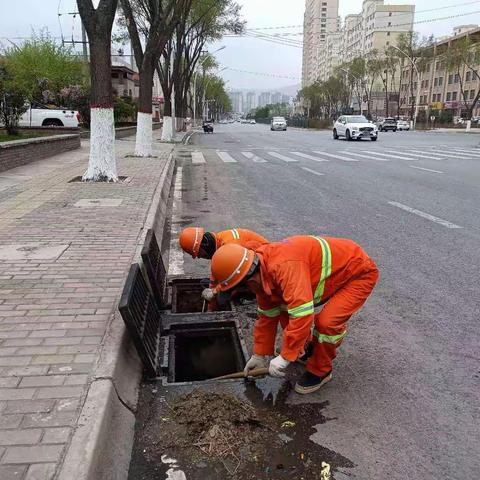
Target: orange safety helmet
(191, 239)
(230, 265)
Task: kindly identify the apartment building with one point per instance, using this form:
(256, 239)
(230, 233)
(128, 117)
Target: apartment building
(250, 101)
(320, 19)
(439, 88)
(264, 99)
(236, 97)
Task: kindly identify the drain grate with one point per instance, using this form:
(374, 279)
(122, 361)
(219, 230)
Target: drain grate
(156, 272)
(142, 318)
(80, 179)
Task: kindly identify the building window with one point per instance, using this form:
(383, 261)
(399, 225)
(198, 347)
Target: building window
(468, 77)
(435, 82)
(390, 14)
(449, 96)
(389, 24)
(426, 83)
(457, 78)
(440, 81)
(454, 96)
(472, 94)
(450, 79)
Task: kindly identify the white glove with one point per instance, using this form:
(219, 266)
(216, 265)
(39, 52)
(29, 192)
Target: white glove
(208, 294)
(277, 366)
(256, 361)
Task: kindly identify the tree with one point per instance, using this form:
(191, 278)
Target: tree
(389, 76)
(41, 68)
(150, 25)
(216, 94)
(98, 23)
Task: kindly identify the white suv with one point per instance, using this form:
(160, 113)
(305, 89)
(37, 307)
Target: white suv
(278, 123)
(354, 127)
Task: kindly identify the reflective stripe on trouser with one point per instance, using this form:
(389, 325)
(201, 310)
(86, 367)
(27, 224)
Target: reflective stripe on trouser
(330, 323)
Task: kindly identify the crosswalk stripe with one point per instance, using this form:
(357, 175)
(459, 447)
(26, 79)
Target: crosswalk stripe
(197, 158)
(312, 171)
(310, 157)
(389, 155)
(452, 155)
(474, 152)
(426, 169)
(338, 157)
(226, 157)
(365, 156)
(414, 153)
(282, 157)
(253, 157)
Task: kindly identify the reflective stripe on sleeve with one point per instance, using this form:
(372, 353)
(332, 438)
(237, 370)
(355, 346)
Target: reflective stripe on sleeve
(301, 310)
(235, 234)
(322, 338)
(326, 268)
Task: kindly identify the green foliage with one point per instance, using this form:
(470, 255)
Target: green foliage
(41, 68)
(215, 90)
(123, 109)
(446, 116)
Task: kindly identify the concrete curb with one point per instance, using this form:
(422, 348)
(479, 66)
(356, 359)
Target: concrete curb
(101, 445)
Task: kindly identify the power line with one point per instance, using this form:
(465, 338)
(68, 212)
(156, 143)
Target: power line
(263, 74)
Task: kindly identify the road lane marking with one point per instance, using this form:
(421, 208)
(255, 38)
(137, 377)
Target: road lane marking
(226, 157)
(175, 265)
(312, 171)
(475, 153)
(421, 155)
(338, 157)
(432, 218)
(310, 157)
(426, 169)
(366, 156)
(198, 158)
(253, 157)
(389, 155)
(282, 157)
(460, 156)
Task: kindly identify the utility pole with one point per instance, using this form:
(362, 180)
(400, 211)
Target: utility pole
(84, 43)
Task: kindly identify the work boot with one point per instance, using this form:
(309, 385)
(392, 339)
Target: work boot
(309, 383)
(309, 346)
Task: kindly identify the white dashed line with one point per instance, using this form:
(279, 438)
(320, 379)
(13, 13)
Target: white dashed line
(253, 157)
(197, 158)
(432, 218)
(389, 155)
(460, 156)
(365, 156)
(475, 153)
(282, 157)
(312, 171)
(426, 169)
(226, 157)
(310, 157)
(338, 157)
(413, 153)
(175, 266)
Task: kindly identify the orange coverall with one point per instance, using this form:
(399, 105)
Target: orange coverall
(299, 275)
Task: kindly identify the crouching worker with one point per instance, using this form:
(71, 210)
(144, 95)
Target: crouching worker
(200, 244)
(298, 282)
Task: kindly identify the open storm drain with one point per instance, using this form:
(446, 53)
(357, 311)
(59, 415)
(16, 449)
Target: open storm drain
(121, 179)
(187, 297)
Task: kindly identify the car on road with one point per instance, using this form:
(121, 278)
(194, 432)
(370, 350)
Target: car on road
(403, 125)
(253, 122)
(388, 124)
(207, 126)
(39, 115)
(354, 127)
(278, 123)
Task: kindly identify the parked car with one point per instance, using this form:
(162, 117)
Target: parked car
(39, 115)
(388, 124)
(355, 127)
(253, 122)
(207, 126)
(278, 123)
(403, 125)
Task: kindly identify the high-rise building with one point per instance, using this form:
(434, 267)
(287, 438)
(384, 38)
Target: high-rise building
(236, 97)
(276, 97)
(285, 99)
(251, 101)
(321, 18)
(264, 99)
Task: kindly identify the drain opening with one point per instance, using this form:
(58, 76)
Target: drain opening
(121, 179)
(187, 297)
(204, 354)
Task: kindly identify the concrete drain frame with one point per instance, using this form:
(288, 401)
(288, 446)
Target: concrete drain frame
(177, 343)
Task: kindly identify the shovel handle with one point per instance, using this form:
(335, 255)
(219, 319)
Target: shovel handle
(258, 372)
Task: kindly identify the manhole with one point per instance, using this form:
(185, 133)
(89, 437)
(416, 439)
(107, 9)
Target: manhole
(201, 352)
(32, 251)
(80, 179)
(187, 296)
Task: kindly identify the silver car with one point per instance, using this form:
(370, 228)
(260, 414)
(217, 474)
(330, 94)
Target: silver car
(278, 123)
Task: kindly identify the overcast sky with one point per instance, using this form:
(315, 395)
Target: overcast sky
(244, 54)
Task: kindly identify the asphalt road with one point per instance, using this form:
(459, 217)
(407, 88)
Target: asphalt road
(404, 402)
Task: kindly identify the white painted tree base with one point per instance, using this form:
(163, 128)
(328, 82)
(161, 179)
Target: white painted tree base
(167, 130)
(102, 165)
(143, 139)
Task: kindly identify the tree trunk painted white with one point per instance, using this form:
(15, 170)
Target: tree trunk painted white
(102, 164)
(167, 130)
(143, 142)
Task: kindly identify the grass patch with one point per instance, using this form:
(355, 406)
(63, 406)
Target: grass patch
(4, 137)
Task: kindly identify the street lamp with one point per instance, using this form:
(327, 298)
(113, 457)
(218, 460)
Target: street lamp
(223, 47)
(358, 80)
(417, 101)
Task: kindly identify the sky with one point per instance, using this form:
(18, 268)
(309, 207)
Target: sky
(251, 63)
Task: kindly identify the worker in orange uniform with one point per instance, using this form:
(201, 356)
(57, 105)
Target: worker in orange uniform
(300, 281)
(200, 244)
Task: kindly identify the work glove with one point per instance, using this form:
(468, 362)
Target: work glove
(277, 366)
(208, 294)
(256, 361)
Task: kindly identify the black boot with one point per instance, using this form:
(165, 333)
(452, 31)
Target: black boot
(309, 383)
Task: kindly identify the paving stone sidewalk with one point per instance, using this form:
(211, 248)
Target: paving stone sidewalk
(65, 249)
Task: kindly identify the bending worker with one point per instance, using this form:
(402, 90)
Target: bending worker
(298, 282)
(200, 244)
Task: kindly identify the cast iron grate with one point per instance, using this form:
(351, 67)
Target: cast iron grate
(142, 318)
(121, 179)
(156, 272)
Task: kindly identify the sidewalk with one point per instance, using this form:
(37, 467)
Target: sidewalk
(65, 249)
